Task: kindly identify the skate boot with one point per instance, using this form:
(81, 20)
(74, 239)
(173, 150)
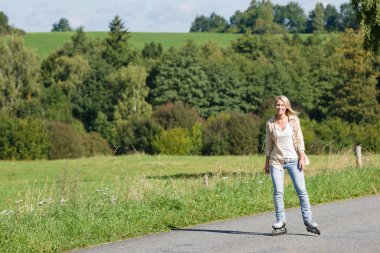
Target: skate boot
(312, 227)
(279, 228)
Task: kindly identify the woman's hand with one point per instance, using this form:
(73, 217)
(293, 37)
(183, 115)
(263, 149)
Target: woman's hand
(266, 168)
(301, 162)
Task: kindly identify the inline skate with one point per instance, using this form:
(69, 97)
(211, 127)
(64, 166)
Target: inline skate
(279, 228)
(312, 227)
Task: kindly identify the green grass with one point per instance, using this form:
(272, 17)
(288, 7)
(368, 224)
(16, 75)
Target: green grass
(45, 43)
(112, 198)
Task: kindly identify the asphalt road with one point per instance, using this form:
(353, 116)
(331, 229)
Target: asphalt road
(346, 226)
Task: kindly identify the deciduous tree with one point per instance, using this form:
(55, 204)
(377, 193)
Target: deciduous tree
(19, 73)
(63, 25)
(368, 12)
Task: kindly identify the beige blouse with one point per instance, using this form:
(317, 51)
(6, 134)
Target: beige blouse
(271, 148)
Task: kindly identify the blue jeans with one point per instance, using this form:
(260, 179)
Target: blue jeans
(298, 179)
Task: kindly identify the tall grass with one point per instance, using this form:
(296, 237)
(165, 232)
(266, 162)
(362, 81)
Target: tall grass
(160, 193)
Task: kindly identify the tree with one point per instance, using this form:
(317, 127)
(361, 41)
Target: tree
(63, 25)
(258, 18)
(368, 12)
(152, 50)
(237, 22)
(354, 94)
(291, 16)
(4, 26)
(317, 18)
(70, 72)
(19, 73)
(179, 77)
(264, 20)
(117, 52)
(200, 24)
(80, 41)
(348, 17)
(214, 23)
(129, 87)
(332, 17)
(217, 23)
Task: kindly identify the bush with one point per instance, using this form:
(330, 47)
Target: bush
(65, 141)
(176, 115)
(175, 141)
(137, 134)
(23, 138)
(334, 134)
(243, 133)
(368, 136)
(215, 135)
(231, 133)
(95, 144)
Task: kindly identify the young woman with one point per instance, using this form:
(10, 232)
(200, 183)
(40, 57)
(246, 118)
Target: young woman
(284, 150)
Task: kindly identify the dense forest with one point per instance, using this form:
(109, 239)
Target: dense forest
(93, 97)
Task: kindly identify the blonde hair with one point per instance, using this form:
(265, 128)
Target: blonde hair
(289, 111)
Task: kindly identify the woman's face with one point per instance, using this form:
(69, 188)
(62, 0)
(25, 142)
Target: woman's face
(280, 107)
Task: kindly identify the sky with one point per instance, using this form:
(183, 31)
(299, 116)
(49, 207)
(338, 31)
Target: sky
(138, 15)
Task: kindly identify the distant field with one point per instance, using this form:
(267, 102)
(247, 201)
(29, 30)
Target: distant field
(46, 42)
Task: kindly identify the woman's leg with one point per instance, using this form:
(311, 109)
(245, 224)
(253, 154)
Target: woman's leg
(298, 179)
(278, 195)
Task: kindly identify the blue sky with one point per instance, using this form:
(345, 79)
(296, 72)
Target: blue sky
(138, 15)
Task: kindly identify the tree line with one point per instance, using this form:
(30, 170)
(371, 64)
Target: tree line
(264, 17)
(101, 96)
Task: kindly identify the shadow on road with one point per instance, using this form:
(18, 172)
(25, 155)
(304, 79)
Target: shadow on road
(221, 231)
(229, 232)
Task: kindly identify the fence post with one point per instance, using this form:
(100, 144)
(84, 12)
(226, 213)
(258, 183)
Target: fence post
(206, 180)
(358, 154)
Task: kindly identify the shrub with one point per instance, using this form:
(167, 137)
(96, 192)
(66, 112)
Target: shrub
(95, 144)
(313, 142)
(175, 141)
(196, 139)
(231, 133)
(368, 136)
(215, 135)
(176, 115)
(335, 134)
(243, 133)
(23, 138)
(137, 134)
(65, 141)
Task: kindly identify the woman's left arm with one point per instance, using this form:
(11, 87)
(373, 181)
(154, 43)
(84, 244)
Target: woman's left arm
(300, 145)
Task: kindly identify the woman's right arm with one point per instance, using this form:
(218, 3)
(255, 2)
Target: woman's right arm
(268, 148)
(266, 168)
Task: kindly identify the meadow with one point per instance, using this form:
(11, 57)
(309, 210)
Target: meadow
(55, 206)
(45, 43)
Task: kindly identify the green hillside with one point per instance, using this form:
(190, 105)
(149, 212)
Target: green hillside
(45, 43)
